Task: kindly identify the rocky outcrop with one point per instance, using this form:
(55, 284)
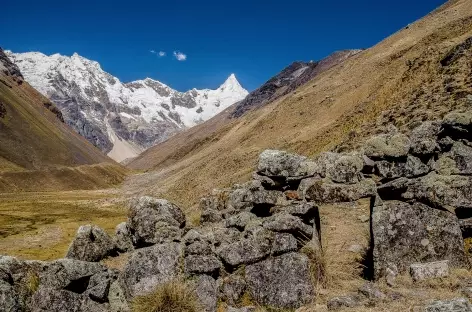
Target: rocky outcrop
(91, 243)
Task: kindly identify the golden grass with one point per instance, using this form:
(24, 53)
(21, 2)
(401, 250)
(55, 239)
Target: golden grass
(41, 226)
(174, 296)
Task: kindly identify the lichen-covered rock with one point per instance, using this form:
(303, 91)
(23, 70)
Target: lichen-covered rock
(210, 216)
(413, 167)
(406, 233)
(215, 201)
(287, 223)
(457, 124)
(91, 243)
(202, 264)
(248, 250)
(324, 191)
(281, 282)
(99, 286)
(371, 291)
(154, 221)
(117, 298)
(150, 267)
(207, 292)
(249, 198)
(65, 273)
(273, 163)
(54, 300)
(346, 169)
(424, 138)
(394, 189)
(123, 238)
(423, 271)
(240, 220)
(304, 210)
(441, 190)
(387, 146)
(232, 288)
(283, 243)
(457, 161)
(454, 305)
(8, 298)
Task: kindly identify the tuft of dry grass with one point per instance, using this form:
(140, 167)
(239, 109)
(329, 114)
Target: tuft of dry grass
(174, 296)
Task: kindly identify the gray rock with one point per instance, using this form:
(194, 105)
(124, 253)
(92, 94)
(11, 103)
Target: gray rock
(92, 244)
(240, 220)
(466, 226)
(348, 301)
(251, 198)
(275, 163)
(423, 271)
(283, 243)
(53, 300)
(304, 185)
(394, 189)
(150, 267)
(287, 223)
(424, 138)
(66, 273)
(346, 169)
(387, 145)
(202, 264)
(467, 291)
(207, 292)
(8, 298)
(198, 248)
(117, 298)
(224, 236)
(281, 282)
(441, 190)
(454, 305)
(371, 291)
(408, 233)
(246, 251)
(413, 167)
(217, 200)
(154, 221)
(304, 210)
(455, 124)
(457, 161)
(232, 288)
(268, 183)
(99, 285)
(324, 191)
(123, 238)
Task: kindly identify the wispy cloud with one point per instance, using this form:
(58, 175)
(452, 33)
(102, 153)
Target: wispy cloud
(162, 54)
(180, 56)
(152, 51)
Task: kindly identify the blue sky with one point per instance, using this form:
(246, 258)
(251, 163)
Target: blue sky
(254, 39)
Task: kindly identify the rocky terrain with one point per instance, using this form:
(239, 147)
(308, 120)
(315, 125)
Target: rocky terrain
(289, 79)
(121, 119)
(263, 239)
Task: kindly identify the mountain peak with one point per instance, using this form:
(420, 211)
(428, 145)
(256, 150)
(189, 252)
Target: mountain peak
(232, 83)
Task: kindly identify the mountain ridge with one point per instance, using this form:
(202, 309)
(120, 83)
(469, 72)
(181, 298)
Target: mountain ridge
(122, 119)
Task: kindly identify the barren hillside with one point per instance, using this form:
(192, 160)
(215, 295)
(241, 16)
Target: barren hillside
(419, 73)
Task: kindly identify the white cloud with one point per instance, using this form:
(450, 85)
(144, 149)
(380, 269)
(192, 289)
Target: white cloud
(152, 51)
(162, 54)
(180, 56)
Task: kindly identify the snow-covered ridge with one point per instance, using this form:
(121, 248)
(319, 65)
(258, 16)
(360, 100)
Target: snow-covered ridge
(103, 109)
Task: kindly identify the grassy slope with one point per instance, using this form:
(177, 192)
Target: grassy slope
(39, 152)
(400, 80)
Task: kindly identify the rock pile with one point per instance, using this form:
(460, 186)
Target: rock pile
(253, 238)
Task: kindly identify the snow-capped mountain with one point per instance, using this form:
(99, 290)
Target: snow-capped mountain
(122, 119)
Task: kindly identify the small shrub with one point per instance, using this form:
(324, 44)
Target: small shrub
(174, 296)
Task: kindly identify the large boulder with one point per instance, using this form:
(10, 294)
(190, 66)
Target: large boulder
(287, 223)
(253, 197)
(150, 267)
(275, 163)
(91, 243)
(405, 233)
(389, 145)
(282, 282)
(410, 168)
(441, 190)
(453, 305)
(206, 291)
(154, 221)
(202, 264)
(325, 191)
(53, 300)
(345, 169)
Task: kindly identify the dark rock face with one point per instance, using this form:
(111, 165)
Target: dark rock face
(9, 68)
(282, 282)
(408, 233)
(289, 79)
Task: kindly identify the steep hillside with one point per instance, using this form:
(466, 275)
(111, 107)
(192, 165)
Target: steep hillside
(34, 138)
(419, 73)
(121, 119)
